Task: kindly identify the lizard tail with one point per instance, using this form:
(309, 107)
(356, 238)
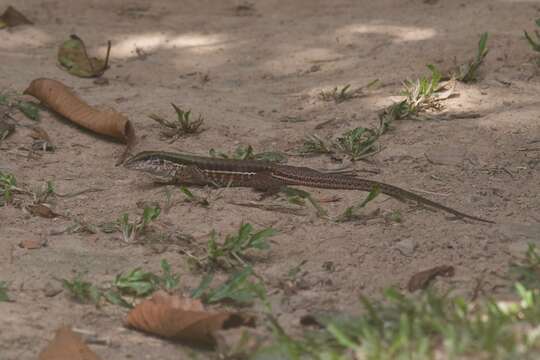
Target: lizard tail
(313, 178)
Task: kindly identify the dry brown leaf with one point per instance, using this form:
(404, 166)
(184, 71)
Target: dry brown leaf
(62, 100)
(11, 17)
(39, 134)
(183, 319)
(32, 244)
(67, 345)
(422, 279)
(42, 210)
(41, 139)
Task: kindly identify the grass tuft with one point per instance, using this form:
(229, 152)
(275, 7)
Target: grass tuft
(534, 43)
(182, 126)
(132, 229)
(469, 72)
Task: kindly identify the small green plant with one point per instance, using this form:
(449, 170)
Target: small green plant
(231, 253)
(351, 212)
(82, 291)
(468, 72)
(238, 289)
(298, 197)
(183, 125)
(527, 271)
(135, 283)
(357, 143)
(339, 95)
(420, 94)
(28, 109)
(3, 291)
(247, 153)
(535, 44)
(315, 145)
(195, 199)
(140, 283)
(131, 229)
(8, 185)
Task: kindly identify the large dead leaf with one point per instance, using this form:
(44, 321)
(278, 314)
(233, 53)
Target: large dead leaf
(73, 57)
(62, 100)
(11, 17)
(422, 279)
(183, 319)
(67, 345)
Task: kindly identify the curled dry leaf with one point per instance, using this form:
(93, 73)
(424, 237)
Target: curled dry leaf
(422, 279)
(67, 345)
(73, 57)
(11, 17)
(62, 100)
(183, 319)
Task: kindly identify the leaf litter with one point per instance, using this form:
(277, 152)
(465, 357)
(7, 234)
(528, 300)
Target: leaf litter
(183, 319)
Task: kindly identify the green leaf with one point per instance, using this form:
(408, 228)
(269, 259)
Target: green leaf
(137, 282)
(237, 288)
(116, 298)
(203, 286)
(29, 109)
(169, 280)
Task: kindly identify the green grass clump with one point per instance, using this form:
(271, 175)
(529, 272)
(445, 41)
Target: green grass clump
(534, 43)
(81, 290)
(357, 143)
(429, 325)
(469, 72)
(132, 229)
(238, 289)
(232, 252)
(139, 283)
(183, 124)
(126, 286)
(8, 185)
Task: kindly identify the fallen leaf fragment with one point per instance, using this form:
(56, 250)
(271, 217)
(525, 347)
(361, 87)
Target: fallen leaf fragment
(41, 139)
(67, 345)
(62, 100)
(11, 17)
(422, 279)
(73, 57)
(183, 319)
(6, 129)
(42, 210)
(32, 244)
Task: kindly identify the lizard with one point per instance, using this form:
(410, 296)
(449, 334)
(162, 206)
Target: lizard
(187, 169)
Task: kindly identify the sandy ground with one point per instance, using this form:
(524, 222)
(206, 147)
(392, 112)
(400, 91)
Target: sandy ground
(247, 72)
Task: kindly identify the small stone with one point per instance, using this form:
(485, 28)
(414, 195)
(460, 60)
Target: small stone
(52, 289)
(406, 246)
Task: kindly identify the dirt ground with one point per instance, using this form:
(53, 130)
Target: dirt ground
(254, 73)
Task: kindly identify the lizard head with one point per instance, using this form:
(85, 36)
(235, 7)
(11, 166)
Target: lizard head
(152, 163)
